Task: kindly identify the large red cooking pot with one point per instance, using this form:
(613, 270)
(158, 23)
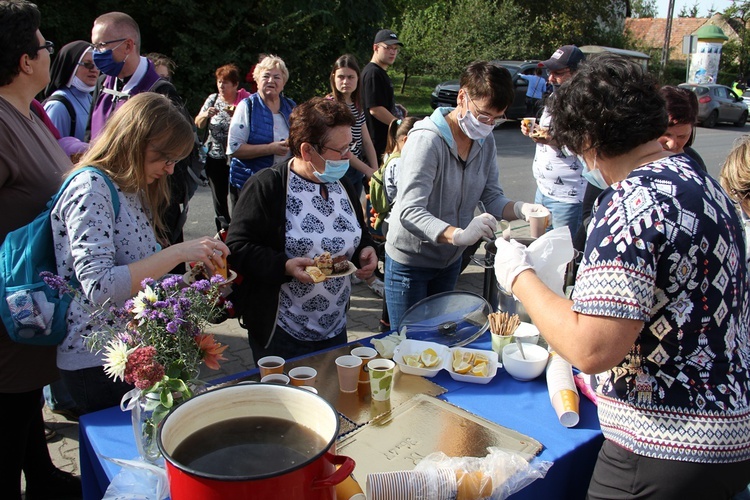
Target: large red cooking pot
(313, 479)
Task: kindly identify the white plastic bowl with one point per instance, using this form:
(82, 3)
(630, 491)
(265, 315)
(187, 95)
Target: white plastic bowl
(528, 333)
(525, 369)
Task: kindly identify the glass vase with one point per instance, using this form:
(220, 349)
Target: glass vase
(145, 426)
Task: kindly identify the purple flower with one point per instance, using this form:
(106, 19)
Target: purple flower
(161, 304)
(201, 285)
(147, 282)
(173, 327)
(172, 282)
(55, 282)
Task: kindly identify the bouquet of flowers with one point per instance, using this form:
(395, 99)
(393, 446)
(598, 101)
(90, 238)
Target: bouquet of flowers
(155, 341)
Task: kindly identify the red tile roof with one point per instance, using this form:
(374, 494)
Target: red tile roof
(649, 32)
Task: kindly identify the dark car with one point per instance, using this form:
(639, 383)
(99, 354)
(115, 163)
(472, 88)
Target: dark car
(717, 104)
(446, 93)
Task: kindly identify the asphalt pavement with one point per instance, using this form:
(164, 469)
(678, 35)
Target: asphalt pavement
(515, 155)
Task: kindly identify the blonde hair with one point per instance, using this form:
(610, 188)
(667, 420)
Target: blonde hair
(735, 173)
(148, 120)
(270, 62)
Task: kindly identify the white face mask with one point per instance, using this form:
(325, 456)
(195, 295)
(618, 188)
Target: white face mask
(473, 128)
(78, 83)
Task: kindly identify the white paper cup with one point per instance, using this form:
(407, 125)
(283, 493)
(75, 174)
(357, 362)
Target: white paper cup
(530, 122)
(348, 368)
(275, 378)
(271, 364)
(538, 222)
(302, 375)
(381, 378)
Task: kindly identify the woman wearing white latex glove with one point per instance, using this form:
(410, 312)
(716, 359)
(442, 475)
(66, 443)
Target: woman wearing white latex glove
(661, 301)
(448, 166)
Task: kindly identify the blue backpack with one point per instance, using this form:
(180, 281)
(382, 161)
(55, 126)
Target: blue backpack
(31, 311)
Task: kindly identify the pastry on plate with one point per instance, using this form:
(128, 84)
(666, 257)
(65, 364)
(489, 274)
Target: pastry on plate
(324, 262)
(315, 273)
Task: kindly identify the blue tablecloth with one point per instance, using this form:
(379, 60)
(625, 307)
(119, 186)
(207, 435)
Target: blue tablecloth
(523, 406)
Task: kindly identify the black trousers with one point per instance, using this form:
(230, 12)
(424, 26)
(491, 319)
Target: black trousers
(24, 444)
(621, 474)
(217, 171)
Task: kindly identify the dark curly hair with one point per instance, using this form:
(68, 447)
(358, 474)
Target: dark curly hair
(311, 122)
(19, 21)
(485, 80)
(611, 105)
(682, 105)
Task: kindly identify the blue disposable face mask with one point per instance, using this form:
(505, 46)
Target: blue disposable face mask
(106, 63)
(594, 175)
(334, 170)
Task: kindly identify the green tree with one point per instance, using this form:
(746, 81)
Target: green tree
(643, 8)
(735, 57)
(200, 36)
(689, 12)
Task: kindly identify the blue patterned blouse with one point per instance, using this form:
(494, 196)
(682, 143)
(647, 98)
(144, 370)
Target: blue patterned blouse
(666, 247)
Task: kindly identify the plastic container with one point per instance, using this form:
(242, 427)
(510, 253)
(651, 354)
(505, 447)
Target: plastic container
(473, 379)
(410, 346)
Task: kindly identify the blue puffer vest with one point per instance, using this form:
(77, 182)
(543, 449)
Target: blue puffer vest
(261, 132)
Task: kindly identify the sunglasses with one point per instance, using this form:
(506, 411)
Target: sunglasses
(88, 65)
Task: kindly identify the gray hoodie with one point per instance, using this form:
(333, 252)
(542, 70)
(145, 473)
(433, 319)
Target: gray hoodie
(436, 190)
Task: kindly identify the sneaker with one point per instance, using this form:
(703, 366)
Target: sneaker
(69, 414)
(355, 280)
(49, 432)
(58, 485)
(378, 287)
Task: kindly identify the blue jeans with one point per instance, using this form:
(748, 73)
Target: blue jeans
(407, 285)
(57, 397)
(92, 389)
(563, 214)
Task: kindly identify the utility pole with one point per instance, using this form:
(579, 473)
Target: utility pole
(667, 36)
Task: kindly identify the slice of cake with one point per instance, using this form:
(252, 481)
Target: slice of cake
(324, 262)
(340, 264)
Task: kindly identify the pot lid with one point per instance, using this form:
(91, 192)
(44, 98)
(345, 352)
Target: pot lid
(448, 318)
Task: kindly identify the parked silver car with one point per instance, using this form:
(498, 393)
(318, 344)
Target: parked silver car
(718, 103)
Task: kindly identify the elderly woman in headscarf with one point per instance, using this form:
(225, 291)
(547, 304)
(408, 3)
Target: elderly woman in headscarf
(68, 96)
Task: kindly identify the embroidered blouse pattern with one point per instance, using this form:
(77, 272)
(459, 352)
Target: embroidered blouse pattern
(666, 247)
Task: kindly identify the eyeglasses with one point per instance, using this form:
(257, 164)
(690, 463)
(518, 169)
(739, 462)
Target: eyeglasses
(390, 48)
(99, 47)
(342, 152)
(487, 119)
(87, 64)
(739, 196)
(47, 45)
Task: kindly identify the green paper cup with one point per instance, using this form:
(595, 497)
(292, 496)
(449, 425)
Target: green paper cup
(381, 378)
